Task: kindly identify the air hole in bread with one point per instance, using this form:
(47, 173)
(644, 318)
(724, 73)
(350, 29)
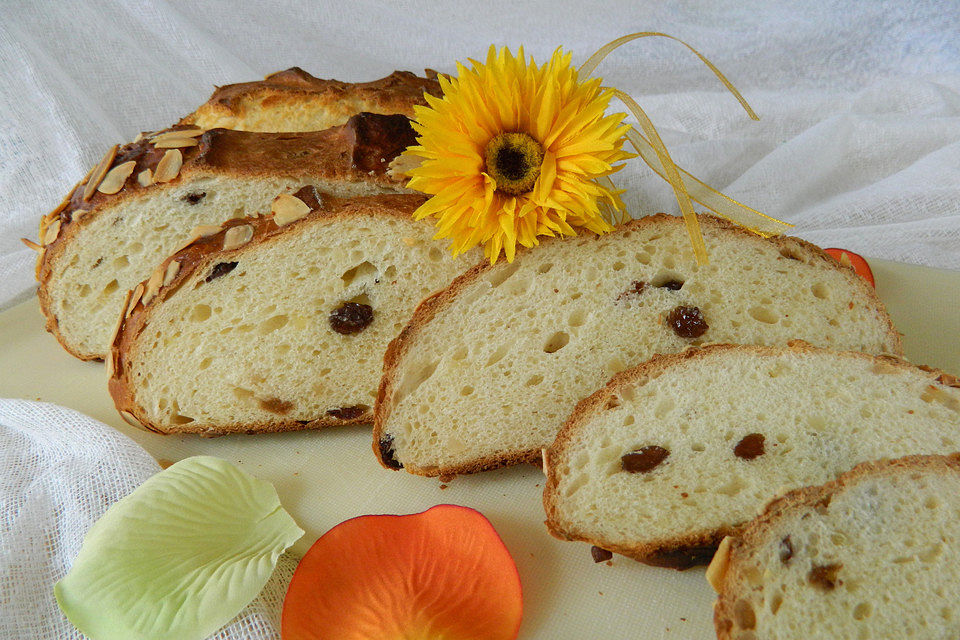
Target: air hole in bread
(765, 315)
(618, 266)
(743, 615)
(668, 279)
(545, 267)
(364, 271)
(576, 318)
(669, 261)
(497, 277)
(414, 377)
(273, 323)
(435, 254)
(643, 257)
(557, 341)
(135, 247)
(775, 603)
(121, 263)
(205, 363)
(533, 380)
(664, 407)
(460, 353)
(732, 486)
(200, 313)
(466, 391)
(110, 288)
(498, 355)
(613, 402)
(84, 291)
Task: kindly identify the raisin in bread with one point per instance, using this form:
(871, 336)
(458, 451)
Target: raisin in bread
(141, 202)
(874, 554)
(278, 322)
(294, 100)
(674, 454)
(486, 372)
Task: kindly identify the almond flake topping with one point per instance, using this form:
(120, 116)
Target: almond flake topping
(237, 236)
(176, 134)
(117, 177)
(134, 299)
(145, 177)
(153, 286)
(130, 419)
(32, 245)
(51, 233)
(99, 172)
(173, 143)
(287, 208)
(119, 323)
(172, 270)
(169, 166)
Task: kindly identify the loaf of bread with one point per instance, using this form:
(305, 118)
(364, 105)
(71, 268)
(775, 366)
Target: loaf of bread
(874, 554)
(279, 322)
(676, 453)
(294, 100)
(487, 371)
(141, 202)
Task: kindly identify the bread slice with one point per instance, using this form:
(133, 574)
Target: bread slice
(874, 554)
(674, 454)
(486, 372)
(294, 100)
(111, 231)
(257, 327)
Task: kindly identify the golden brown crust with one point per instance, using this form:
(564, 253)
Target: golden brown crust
(696, 547)
(199, 255)
(796, 500)
(244, 106)
(358, 151)
(790, 247)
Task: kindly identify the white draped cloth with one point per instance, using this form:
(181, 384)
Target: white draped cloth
(858, 145)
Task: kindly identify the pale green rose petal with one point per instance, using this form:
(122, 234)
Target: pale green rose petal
(179, 557)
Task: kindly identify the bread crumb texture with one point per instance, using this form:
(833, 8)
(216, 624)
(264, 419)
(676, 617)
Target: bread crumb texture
(876, 558)
(499, 367)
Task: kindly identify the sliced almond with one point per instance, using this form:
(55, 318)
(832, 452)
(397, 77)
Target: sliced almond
(169, 166)
(171, 272)
(176, 134)
(116, 177)
(79, 213)
(287, 208)
(32, 245)
(237, 236)
(51, 232)
(99, 172)
(401, 165)
(120, 319)
(718, 566)
(134, 299)
(153, 286)
(205, 230)
(145, 177)
(173, 143)
(131, 419)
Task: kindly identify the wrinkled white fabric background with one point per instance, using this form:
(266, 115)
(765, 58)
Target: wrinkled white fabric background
(59, 471)
(858, 142)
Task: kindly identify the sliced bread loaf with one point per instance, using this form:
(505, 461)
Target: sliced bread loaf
(294, 100)
(874, 554)
(674, 454)
(276, 323)
(141, 202)
(487, 371)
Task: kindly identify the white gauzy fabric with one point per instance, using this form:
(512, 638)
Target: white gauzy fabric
(59, 472)
(858, 143)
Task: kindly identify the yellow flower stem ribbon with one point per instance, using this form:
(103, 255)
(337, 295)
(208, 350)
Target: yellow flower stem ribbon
(651, 149)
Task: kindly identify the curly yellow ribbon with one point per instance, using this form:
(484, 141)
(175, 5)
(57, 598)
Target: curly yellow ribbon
(652, 150)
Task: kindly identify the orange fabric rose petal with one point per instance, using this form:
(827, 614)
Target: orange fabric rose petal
(441, 574)
(851, 259)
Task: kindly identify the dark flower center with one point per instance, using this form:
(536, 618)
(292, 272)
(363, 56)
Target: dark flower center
(513, 161)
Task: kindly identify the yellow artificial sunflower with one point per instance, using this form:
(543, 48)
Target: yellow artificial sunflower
(513, 151)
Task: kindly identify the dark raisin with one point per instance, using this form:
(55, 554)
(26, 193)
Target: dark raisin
(750, 447)
(348, 413)
(645, 460)
(386, 452)
(600, 555)
(195, 197)
(687, 322)
(824, 577)
(220, 269)
(351, 317)
(786, 550)
(636, 288)
(672, 285)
